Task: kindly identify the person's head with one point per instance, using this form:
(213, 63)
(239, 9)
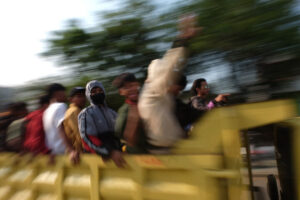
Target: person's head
(18, 110)
(77, 96)
(57, 93)
(44, 101)
(95, 92)
(128, 86)
(178, 86)
(200, 87)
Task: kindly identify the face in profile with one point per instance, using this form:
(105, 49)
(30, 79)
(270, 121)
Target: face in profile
(79, 100)
(203, 90)
(61, 96)
(130, 90)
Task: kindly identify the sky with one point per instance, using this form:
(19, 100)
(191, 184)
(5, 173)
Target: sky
(25, 25)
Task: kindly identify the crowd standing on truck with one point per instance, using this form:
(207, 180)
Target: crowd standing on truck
(151, 120)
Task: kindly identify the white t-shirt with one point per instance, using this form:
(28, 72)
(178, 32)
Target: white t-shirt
(52, 119)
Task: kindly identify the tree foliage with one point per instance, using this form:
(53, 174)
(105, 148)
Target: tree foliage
(247, 29)
(242, 32)
(122, 42)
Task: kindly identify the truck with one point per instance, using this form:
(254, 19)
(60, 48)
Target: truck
(214, 163)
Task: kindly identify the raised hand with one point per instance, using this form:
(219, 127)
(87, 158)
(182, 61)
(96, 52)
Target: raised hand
(222, 97)
(188, 27)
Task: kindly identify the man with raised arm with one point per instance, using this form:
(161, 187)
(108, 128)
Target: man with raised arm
(156, 103)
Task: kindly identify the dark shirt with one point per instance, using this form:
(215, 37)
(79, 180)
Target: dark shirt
(186, 114)
(141, 145)
(5, 121)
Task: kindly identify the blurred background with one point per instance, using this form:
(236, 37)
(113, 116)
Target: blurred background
(249, 48)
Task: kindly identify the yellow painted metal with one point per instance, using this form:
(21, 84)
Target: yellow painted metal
(206, 135)
(145, 177)
(218, 132)
(207, 166)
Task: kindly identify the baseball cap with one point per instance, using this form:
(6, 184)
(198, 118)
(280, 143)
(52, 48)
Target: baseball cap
(77, 90)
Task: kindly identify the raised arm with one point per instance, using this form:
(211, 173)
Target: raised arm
(165, 71)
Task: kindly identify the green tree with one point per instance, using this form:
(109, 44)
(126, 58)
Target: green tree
(242, 33)
(121, 42)
(246, 32)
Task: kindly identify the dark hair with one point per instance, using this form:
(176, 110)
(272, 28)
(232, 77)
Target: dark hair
(182, 81)
(13, 107)
(55, 87)
(197, 84)
(77, 90)
(119, 81)
(44, 100)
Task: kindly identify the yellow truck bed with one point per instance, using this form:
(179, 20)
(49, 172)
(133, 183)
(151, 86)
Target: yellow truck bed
(206, 166)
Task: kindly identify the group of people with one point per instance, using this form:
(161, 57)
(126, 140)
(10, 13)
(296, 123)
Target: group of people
(145, 123)
(151, 120)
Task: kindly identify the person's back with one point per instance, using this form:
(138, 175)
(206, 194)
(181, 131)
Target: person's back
(56, 140)
(14, 135)
(52, 119)
(5, 120)
(71, 127)
(34, 140)
(15, 131)
(78, 100)
(156, 103)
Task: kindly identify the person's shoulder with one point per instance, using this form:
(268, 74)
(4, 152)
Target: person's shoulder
(86, 110)
(17, 122)
(113, 111)
(60, 108)
(33, 114)
(123, 108)
(72, 110)
(56, 106)
(196, 98)
(61, 105)
(194, 101)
